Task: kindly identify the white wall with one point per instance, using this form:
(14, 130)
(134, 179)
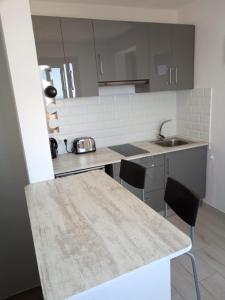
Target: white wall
(209, 17)
(117, 119)
(79, 10)
(20, 46)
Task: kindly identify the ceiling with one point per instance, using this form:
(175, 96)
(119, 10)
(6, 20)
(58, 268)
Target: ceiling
(157, 4)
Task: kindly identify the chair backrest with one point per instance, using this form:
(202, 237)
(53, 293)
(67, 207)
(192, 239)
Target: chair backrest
(132, 173)
(184, 203)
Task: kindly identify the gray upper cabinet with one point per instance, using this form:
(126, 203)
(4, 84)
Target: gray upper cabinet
(79, 50)
(183, 40)
(121, 50)
(49, 46)
(171, 56)
(160, 57)
(83, 54)
(189, 168)
(48, 38)
(67, 46)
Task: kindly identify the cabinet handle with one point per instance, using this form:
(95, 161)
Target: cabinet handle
(176, 75)
(72, 81)
(65, 81)
(100, 64)
(71, 76)
(170, 76)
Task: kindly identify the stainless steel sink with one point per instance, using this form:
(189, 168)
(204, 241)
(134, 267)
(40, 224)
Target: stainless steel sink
(171, 142)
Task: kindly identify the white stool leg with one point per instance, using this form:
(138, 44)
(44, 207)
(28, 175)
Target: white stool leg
(195, 275)
(165, 210)
(192, 234)
(143, 195)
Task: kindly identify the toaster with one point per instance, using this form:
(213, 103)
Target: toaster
(84, 145)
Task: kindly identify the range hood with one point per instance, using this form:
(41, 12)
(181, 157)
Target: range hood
(124, 82)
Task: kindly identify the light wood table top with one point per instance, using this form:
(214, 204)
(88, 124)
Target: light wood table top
(88, 229)
(70, 162)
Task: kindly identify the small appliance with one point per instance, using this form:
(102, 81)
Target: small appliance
(83, 145)
(53, 147)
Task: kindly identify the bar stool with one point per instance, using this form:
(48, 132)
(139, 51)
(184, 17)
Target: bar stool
(185, 204)
(133, 174)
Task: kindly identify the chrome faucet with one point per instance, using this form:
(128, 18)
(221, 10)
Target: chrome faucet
(160, 135)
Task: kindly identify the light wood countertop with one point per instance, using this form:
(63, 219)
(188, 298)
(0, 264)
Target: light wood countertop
(88, 229)
(70, 162)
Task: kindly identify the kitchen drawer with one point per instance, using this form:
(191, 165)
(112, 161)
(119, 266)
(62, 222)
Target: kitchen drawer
(150, 161)
(133, 190)
(114, 171)
(154, 178)
(155, 199)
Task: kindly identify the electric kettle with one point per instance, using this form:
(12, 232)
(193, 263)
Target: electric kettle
(53, 147)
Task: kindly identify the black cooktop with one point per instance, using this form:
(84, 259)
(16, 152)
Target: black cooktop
(128, 150)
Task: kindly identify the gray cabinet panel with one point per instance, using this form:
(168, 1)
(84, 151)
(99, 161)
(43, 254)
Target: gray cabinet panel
(78, 41)
(160, 57)
(48, 40)
(151, 161)
(189, 168)
(171, 56)
(183, 38)
(155, 199)
(67, 46)
(155, 175)
(154, 178)
(121, 50)
(49, 46)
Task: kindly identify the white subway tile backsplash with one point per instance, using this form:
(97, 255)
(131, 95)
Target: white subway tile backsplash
(116, 119)
(199, 92)
(193, 113)
(126, 117)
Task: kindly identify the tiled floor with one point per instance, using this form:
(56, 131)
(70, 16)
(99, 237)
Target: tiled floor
(209, 249)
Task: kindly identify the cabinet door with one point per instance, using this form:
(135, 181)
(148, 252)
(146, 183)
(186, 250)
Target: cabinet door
(49, 47)
(155, 199)
(160, 57)
(183, 39)
(78, 41)
(121, 50)
(48, 39)
(189, 168)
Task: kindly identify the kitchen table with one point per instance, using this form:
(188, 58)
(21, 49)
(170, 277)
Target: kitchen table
(94, 240)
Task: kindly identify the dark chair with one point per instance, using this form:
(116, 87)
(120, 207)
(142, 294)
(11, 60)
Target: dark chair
(133, 174)
(185, 204)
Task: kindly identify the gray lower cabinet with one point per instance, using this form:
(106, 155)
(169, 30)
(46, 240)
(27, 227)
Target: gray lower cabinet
(186, 166)
(171, 56)
(155, 199)
(189, 168)
(155, 180)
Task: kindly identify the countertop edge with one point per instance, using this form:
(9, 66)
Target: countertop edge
(164, 150)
